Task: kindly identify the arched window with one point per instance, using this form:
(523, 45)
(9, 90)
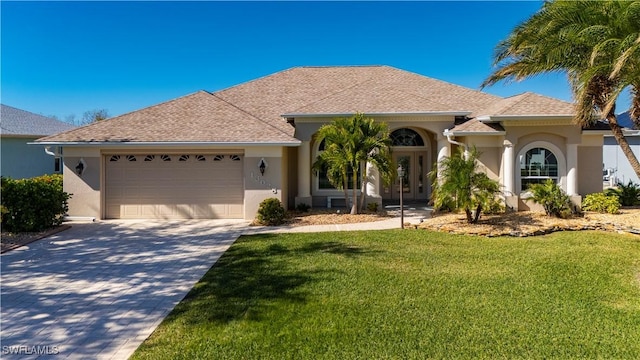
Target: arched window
(537, 165)
(406, 137)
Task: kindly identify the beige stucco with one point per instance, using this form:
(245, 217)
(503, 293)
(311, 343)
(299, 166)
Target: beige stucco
(85, 189)
(284, 180)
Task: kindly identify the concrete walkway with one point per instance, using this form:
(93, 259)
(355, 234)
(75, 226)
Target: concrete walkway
(98, 290)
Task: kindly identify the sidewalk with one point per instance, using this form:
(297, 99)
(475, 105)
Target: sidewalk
(413, 215)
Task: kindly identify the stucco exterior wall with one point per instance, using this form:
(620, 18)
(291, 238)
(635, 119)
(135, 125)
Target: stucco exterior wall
(259, 187)
(85, 189)
(19, 160)
(589, 169)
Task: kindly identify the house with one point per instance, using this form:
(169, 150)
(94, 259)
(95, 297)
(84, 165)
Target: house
(218, 155)
(617, 168)
(19, 127)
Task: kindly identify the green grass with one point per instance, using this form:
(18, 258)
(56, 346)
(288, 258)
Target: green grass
(411, 294)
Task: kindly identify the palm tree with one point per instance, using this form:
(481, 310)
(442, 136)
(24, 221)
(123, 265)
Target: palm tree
(596, 43)
(349, 144)
(461, 185)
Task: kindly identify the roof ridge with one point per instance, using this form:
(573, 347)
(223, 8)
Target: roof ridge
(155, 105)
(127, 113)
(248, 113)
(256, 79)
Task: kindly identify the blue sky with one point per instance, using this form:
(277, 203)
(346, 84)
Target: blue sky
(63, 58)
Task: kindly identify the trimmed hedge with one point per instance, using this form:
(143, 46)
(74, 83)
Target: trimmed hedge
(33, 204)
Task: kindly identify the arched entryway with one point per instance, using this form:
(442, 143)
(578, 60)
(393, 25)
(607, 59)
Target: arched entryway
(410, 149)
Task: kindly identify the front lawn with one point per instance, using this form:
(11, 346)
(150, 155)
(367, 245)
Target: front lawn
(411, 294)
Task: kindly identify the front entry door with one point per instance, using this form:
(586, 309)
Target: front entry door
(415, 180)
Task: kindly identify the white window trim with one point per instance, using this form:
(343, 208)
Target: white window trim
(560, 157)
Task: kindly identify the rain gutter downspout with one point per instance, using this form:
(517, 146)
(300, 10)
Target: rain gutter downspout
(450, 136)
(49, 152)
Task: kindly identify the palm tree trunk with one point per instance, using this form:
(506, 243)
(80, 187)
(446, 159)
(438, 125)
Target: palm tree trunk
(623, 143)
(477, 215)
(467, 211)
(354, 205)
(345, 188)
(363, 187)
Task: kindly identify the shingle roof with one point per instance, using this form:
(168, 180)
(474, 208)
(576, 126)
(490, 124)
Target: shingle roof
(198, 117)
(253, 111)
(346, 89)
(477, 127)
(20, 122)
(527, 104)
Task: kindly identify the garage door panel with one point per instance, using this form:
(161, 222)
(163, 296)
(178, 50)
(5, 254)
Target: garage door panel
(173, 189)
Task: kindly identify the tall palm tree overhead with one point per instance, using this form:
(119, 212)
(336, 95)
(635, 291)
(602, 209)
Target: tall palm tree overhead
(349, 144)
(596, 43)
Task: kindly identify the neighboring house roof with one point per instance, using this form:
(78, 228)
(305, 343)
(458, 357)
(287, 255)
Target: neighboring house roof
(198, 117)
(24, 123)
(254, 111)
(624, 120)
(527, 104)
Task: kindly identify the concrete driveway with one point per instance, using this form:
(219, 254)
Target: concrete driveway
(97, 290)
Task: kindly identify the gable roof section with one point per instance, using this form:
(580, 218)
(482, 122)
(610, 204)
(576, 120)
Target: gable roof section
(476, 127)
(527, 104)
(18, 122)
(200, 117)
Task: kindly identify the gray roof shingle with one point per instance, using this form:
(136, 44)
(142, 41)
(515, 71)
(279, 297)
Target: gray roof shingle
(14, 121)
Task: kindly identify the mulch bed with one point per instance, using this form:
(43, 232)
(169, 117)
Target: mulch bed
(12, 241)
(524, 223)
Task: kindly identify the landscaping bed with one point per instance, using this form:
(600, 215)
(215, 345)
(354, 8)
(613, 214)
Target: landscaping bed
(527, 223)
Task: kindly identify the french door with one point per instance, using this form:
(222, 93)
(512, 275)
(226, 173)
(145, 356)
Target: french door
(415, 182)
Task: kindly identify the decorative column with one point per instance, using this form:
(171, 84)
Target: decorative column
(572, 169)
(511, 197)
(508, 175)
(304, 174)
(373, 180)
(444, 149)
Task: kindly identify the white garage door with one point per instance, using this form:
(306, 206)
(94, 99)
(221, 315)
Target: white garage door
(168, 186)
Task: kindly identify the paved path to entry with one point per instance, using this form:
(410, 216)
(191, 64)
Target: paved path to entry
(98, 290)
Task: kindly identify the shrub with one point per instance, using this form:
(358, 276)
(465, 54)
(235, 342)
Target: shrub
(602, 203)
(493, 206)
(302, 207)
(33, 204)
(373, 207)
(270, 212)
(554, 201)
(629, 195)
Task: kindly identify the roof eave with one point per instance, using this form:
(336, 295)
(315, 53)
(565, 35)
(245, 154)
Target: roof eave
(498, 118)
(420, 113)
(168, 143)
(476, 133)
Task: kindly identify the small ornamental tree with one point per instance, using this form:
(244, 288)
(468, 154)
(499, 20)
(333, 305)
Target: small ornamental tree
(461, 185)
(350, 143)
